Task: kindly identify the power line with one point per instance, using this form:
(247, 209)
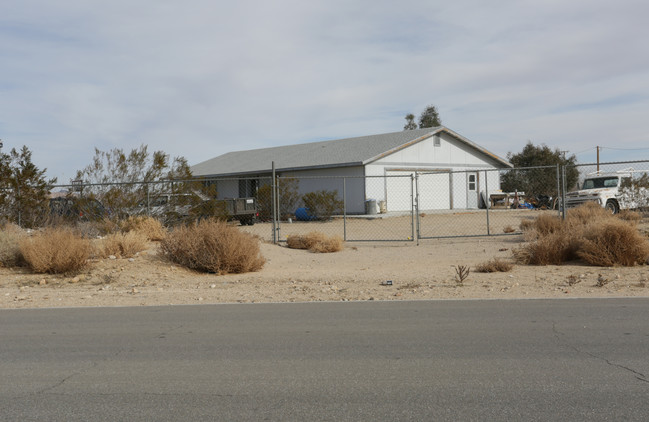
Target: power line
(586, 150)
(626, 149)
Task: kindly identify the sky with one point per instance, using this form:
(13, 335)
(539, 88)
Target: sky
(200, 78)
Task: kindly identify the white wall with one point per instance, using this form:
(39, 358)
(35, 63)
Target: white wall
(443, 179)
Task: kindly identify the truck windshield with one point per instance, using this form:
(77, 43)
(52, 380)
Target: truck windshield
(600, 182)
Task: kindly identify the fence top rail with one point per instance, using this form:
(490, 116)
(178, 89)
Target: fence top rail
(153, 182)
(608, 163)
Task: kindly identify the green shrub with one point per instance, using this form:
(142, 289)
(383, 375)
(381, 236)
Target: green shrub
(287, 191)
(323, 203)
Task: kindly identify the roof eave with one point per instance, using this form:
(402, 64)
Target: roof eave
(456, 135)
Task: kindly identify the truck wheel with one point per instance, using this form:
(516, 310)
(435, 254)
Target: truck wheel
(612, 206)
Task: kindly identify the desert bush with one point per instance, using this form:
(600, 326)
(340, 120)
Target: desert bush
(587, 213)
(56, 251)
(323, 203)
(614, 243)
(494, 266)
(213, 246)
(10, 237)
(589, 233)
(315, 242)
(551, 249)
(287, 190)
(123, 245)
(147, 226)
(630, 216)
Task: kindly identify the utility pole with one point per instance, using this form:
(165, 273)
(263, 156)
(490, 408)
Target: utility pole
(598, 159)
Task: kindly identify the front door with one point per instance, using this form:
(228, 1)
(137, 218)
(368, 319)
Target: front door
(472, 190)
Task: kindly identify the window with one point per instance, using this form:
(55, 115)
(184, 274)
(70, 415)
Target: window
(437, 141)
(472, 182)
(247, 188)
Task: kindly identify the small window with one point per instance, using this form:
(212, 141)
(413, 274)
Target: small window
(437, 141)
(472, 182)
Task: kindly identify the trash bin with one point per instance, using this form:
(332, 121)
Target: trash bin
(383, 207)
(370, 207)
(303, 214)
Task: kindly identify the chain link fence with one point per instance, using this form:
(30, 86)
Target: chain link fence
(405, 205)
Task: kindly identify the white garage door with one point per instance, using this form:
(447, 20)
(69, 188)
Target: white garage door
(434, 190)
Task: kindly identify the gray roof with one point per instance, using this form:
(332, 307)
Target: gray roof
(326, 154)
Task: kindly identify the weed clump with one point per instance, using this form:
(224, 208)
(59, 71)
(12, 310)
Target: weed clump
(148, 226)
(590, 233)
(56, 251)
(123, 245)
(213, 246)
(495, 265)
(315, 242)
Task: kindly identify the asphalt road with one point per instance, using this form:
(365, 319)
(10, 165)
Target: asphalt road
(529, 360)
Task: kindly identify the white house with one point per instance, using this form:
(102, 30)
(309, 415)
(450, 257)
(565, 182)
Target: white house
(379, 167)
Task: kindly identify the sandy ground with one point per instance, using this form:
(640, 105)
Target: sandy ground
(357, 273)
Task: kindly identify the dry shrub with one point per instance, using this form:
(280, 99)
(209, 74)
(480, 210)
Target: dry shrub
(527, 225)
(213, 246)
(587, 213)
(546, 224)
(56, 251)
(148, 226)
(630, 216)
(494, 266)
(589, 232)
(614, 243)
(551, 249)
(509, 229)
(123, 245)
(315, 242)
(10, 237)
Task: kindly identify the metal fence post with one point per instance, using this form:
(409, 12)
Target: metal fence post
(20, 205)
(148, 198)
(345, 209)
(273, 187)
(487, 200)
(563, 192)
(416, 205)
(558, 191)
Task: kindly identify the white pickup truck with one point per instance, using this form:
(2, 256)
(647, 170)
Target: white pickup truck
(614, 191)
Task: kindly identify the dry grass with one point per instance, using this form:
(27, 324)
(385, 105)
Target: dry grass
(148, 226)
(614, 243)
(56, 251)
(630, 216)
(494, 266)
(213, 246)
(316, 242)
(509, 229)
(589, 233)
(123, 245)
(10, 236)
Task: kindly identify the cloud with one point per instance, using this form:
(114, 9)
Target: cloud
(202, 78)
